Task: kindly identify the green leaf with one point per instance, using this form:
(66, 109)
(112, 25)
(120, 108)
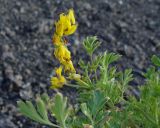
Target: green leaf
(41, 108)
(45, 98)
(156, 60)
(33, 111)
(94, 108)
(82, 64)
(126, 77)
(28, 110)
(109, 58)
(150, 74)
(86, 111)
(96, 61)
(91, 44)
(97, 102)
(59, 109)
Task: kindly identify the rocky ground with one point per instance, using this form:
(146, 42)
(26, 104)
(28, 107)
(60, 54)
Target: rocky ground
(128, 27)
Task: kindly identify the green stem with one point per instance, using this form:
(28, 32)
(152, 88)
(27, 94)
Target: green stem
(64, 125)
(83, 83)
(95, 71)
(156, 113)
(105, 77)
(87, 75)
(72, 85)
(91, 57)
(54, 125)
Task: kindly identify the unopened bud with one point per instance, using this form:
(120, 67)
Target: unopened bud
(87, 126)
(75, 76)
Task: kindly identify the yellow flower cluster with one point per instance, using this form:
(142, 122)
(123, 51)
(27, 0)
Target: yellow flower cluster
(66, 25)
(58, 81)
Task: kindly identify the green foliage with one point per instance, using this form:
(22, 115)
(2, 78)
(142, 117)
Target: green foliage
(102, 101)
(38, 114)
(156, 60)
(90, 44)
(109, 58)
(44, 105)
(94, 109)
(59, 109)
(149, 104)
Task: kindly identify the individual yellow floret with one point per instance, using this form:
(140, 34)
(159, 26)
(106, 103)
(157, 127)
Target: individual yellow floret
(62, 54)
(68, 67)
(59, 26)
(57, 82)
(68, 23)
(57, 39)
(59, 72)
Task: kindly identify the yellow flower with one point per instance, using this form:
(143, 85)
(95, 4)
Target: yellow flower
(59, 26)
(71, 30)
(59, 71)
(57, 40)
(66, 25)
(57, 82)
(62, 54)
(68, 67)
(71, 16)
(70, 25)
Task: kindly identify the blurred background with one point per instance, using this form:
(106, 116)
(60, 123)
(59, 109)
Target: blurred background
(128, 27)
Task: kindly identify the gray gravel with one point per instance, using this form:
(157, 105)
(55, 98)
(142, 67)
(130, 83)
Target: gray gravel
(128, 27)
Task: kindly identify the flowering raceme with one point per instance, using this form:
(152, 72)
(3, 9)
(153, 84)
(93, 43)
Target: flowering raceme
(66, 25)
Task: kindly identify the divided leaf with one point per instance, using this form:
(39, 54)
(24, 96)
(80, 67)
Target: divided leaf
(86, 111)
(109, 58)
(126, 77)
(91, 44)
(96, 61)
(93, 109)
(39, 115)
(59, 109)
(41, 108)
